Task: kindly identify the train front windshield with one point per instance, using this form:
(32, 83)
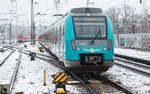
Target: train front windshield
(90, 28)
(20, 36)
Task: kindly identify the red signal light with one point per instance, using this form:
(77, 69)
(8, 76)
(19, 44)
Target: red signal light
(109, 45)
(73, 44)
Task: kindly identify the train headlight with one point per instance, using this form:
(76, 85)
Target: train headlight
(105, 48)
(78, 49)
(73, 44)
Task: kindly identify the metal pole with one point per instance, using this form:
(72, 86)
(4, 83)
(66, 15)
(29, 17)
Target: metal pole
(118, 35)
(32, 24)
(87, 3)
(33, 31)
(16, 20)
(31, 21)
(4, 34)
(10, 34)
(3, 30)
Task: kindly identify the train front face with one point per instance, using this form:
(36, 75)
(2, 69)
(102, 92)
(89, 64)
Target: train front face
(20, 38)
(88, 43)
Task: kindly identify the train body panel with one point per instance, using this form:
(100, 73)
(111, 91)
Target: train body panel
(84, 43)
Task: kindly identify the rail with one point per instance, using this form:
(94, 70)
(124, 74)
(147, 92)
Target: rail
(6, 58)
(15, 73)
(134, 66)
(138, 60)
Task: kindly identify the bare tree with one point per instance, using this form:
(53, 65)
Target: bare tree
(126, 17)
(114, 14)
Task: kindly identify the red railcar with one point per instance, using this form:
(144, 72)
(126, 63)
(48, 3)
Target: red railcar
(20, 38)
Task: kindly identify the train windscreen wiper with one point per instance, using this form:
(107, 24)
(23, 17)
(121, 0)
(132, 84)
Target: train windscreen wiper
(96, 36)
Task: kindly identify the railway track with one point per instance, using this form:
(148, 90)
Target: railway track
(115, 84)
(1, 63)
(92, 90)
(15, 73)
(137, 60)
(56, 63)
(84, 83)
(43, 55)
(8, 47)
(141, 68)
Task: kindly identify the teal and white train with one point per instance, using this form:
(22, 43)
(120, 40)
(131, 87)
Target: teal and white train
(83, 39)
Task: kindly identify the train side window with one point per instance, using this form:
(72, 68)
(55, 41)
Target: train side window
(60, 34)
(63, 30)
(57, 34)
(53, 35)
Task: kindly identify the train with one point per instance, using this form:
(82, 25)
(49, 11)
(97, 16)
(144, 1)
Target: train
(23, 38)
(20, 38)
(82, 39)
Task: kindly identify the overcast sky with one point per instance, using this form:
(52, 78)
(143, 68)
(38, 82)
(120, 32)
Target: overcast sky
(47, 7)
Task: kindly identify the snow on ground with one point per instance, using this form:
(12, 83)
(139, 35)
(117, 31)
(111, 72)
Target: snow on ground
(30, 76)
(138, 82)
(133, 53)
(134, 81)
(7, 69)
(30, 47)
(4, 55)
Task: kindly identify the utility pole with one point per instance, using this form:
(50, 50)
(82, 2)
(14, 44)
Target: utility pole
(16, 20)
(57, 2)
(32, 24)
(10, 37)
(10, 33)
(10, 25)
(3, 30)
(88, 3)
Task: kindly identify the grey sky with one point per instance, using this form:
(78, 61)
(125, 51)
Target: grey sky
(48, 7)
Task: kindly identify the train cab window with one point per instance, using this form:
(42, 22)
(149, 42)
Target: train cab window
(20, 35)
(90, 27)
